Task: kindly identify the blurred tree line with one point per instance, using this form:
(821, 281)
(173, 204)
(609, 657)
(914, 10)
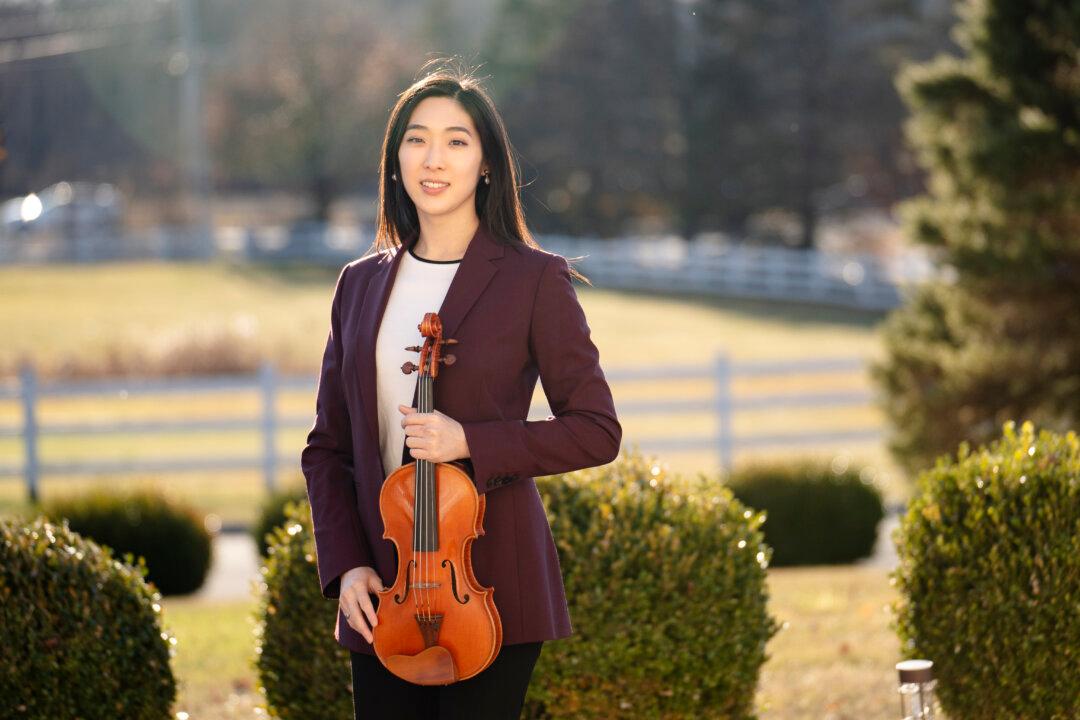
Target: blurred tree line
(631, 116)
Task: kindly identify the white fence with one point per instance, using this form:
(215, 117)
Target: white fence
(670, 264)
(268, 383)
(731, 270)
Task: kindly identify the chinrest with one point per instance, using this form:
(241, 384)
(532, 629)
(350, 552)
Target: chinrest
(433, 666)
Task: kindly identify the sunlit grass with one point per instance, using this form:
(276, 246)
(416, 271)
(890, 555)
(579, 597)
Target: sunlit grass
(834, 658)
(58, 311)
(215, 649)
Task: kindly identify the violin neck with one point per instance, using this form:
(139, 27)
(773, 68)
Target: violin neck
(425, 394)
(425, 500)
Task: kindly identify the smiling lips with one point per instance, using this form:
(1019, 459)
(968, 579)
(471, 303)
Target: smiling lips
(433, 187)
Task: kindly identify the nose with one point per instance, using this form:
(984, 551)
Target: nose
(433, 159)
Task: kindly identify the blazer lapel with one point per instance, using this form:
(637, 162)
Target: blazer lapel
(472, 277)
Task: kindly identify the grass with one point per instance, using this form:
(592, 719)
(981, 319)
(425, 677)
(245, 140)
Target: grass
(133, 312)
(834, 657)
(835, 654)
(215, 652)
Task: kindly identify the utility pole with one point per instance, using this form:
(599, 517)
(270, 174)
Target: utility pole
(193, 154)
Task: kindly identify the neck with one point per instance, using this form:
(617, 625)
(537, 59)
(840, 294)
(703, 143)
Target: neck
(445, 238)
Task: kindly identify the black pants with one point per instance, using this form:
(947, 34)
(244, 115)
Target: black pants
(496, 693)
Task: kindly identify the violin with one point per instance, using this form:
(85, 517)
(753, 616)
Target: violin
(436, 624)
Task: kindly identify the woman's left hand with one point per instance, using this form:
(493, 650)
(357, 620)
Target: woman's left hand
(433, 436)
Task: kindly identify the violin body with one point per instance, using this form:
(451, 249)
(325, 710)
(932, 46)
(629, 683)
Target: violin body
(436, 624)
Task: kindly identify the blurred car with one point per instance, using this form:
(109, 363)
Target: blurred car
(66, 220)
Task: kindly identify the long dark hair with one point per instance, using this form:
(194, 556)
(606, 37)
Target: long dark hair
(498, 205)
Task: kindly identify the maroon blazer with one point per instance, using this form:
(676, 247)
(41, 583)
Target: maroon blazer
(515, 316)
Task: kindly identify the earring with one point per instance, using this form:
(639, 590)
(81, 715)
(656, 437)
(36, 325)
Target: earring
(487, 178)
(393, 176)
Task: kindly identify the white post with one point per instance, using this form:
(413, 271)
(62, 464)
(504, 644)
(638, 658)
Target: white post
(268, 383)
(30, 430)
(725, 436)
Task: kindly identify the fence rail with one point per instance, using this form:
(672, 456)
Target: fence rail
(855, 280)
(670, 264)
(28, 391)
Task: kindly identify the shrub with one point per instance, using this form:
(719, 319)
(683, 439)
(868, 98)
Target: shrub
(302, 670)
(815, 516)
(665, 579)
(989, 576)
(80, 633)
(168, 534)
(666, 584)
(272, 515)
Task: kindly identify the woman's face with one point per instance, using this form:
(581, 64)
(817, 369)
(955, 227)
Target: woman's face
(441, 145)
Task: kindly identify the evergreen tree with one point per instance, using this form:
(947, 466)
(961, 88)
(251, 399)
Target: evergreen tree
(997, 336)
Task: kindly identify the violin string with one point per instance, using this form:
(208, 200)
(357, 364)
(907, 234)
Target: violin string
(434, 506)
(422, 466)
(420, 516)
(418, 519)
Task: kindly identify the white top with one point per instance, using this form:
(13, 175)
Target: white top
(419, 288)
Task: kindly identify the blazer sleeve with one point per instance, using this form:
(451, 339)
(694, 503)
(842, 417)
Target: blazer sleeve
(584, 431)
(327, 464)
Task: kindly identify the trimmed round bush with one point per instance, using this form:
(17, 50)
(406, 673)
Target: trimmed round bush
(80, 632)
(302, 670)
(147, 523)
(815, 515)
(666, 583)
(666, 580)
(989, 576)
(272, 515)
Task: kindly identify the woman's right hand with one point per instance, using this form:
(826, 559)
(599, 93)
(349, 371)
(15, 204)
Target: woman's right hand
(355, 599)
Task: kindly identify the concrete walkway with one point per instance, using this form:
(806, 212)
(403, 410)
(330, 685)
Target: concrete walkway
(235, 567)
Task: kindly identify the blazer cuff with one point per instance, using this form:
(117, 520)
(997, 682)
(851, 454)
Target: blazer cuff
(333, 564)
(496, 452)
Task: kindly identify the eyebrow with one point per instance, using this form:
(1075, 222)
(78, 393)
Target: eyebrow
(415, 126)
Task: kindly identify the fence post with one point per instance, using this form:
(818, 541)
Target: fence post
(724, 432)
(268, 382)
(28, 382)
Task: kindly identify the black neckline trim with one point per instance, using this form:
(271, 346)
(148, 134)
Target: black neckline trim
(434, 262)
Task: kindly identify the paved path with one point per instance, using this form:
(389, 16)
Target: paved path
(884, 556)
(236, 565)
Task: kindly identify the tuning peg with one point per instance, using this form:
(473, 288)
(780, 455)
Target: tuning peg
(414, 348)
(408, 368)
(449, 341)
(448, 359)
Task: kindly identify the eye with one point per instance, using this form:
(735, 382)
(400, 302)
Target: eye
(463, 143)
(410, 139)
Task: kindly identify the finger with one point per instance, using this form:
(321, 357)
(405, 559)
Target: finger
(375, 584)
(406, 409)
(369, 609)
(356, 618)
(416, 419)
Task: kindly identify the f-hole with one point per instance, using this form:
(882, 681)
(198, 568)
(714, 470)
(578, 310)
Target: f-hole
(453, 582)
(408, 577)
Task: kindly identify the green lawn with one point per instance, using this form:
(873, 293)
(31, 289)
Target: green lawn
(834, 657)
(191, 314)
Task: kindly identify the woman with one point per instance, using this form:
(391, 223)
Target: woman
(452, 238)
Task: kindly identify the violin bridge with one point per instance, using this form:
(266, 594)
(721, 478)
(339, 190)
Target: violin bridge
(429, 628)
